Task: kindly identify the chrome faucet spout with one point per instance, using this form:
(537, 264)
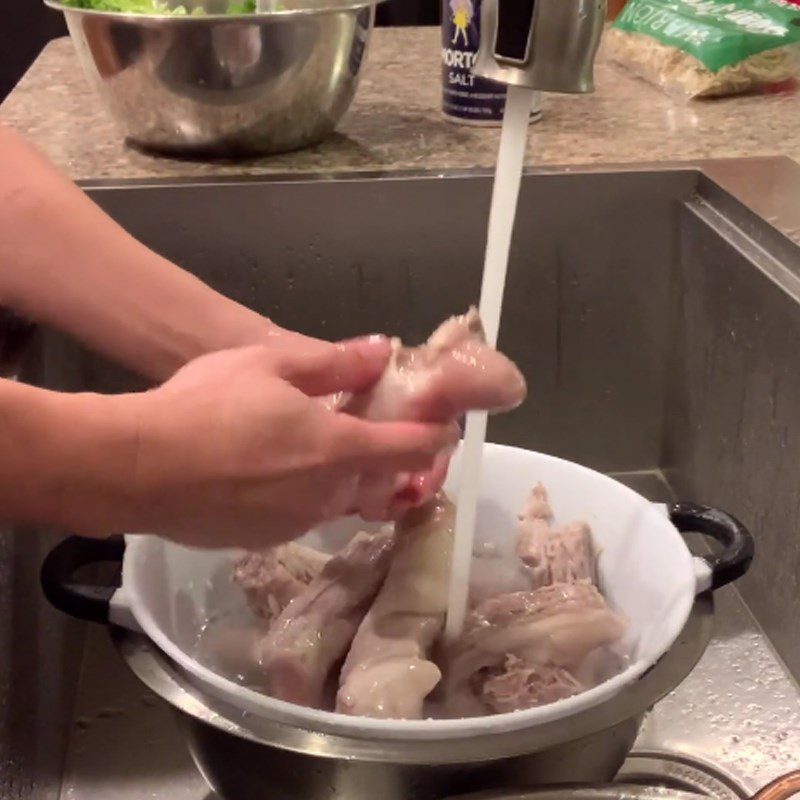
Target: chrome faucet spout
(547, 45)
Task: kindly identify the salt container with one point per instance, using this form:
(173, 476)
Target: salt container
(469, 99)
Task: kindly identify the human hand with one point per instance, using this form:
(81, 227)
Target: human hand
(384, 496)
(235, 449)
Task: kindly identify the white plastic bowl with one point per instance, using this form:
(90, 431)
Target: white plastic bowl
(645, 569)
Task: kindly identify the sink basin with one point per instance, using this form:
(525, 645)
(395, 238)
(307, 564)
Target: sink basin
(654, 311)
(589, 298)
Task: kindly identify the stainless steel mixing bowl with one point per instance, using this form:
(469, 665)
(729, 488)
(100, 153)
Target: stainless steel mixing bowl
(225, 85)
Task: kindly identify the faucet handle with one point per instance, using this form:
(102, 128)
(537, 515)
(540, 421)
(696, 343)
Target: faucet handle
(548, 45)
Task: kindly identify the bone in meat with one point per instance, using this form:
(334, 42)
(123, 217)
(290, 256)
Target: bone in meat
(388, 672)
(455, 371)
(551, 631)
(314, 631)
(273, 577)
(553, 554)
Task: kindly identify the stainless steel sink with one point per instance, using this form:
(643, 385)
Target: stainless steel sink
(656, 315)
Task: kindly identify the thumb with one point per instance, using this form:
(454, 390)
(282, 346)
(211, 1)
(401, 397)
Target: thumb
(349, 366)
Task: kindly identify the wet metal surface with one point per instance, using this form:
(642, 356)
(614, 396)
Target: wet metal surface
(739, 710)
(682, 773)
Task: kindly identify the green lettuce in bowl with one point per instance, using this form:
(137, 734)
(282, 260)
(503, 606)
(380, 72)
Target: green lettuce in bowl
(233, 7)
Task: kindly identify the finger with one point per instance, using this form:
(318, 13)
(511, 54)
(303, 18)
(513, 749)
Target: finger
(375, 491)
(283, 340)
(424, 485)
(345, 367)
(335, 401)
(341, 496)
(394, 446)
(419, 488)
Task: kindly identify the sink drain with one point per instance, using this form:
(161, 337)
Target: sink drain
(682, 773)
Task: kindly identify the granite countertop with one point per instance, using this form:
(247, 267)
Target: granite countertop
(395, 123)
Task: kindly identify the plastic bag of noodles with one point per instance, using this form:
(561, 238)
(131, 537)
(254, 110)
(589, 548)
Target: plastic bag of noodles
(709, 48)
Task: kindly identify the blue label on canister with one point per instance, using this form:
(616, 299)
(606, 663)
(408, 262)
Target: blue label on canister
(467, 97)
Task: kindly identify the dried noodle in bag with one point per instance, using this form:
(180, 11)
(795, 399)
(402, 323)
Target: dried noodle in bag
(709, 48)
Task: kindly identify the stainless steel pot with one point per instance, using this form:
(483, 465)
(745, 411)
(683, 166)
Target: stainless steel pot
(225, 85)
(247, 758)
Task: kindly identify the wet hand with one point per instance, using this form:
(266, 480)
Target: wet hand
(237, 450)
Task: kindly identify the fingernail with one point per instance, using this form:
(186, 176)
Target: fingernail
(371, 340)
(375, 343)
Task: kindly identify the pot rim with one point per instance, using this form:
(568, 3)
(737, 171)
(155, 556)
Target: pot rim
(162, 676)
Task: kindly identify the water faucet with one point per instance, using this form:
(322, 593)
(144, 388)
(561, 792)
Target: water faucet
(547, 45)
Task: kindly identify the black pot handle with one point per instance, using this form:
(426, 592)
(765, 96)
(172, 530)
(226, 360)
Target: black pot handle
(735, 559)
(82, 600)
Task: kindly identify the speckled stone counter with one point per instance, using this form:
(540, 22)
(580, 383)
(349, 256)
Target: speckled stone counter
(395, 123)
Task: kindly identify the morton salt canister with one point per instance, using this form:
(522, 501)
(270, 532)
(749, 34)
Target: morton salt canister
(469, 99)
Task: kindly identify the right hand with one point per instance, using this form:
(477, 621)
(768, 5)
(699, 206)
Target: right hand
(234, 450)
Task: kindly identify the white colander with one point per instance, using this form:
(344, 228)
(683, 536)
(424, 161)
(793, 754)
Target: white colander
(645, 570)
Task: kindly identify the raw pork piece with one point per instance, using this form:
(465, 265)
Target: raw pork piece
(314, 631)
(516, 685)
(273, 577)
(554, 554)
(528, 648)
(388, 672)
(454, 372)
